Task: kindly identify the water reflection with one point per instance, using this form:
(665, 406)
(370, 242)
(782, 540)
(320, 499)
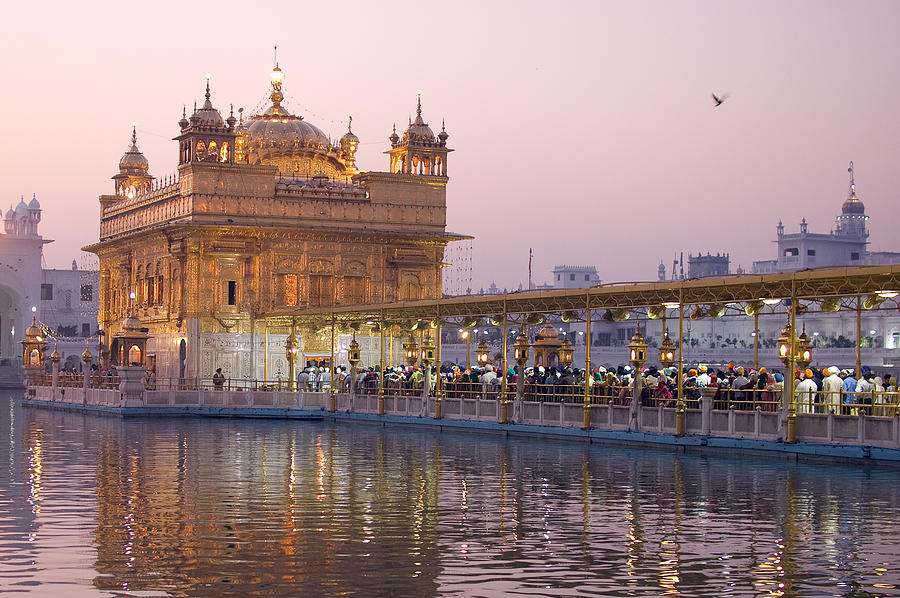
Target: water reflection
(101, 506)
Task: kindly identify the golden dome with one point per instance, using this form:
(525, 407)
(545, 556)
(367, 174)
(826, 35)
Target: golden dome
(277, 134)
(548, 332)
(33, 331)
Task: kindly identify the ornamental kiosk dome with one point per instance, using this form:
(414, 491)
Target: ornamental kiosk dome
(133, 162)
(207, 115)
(418, 131)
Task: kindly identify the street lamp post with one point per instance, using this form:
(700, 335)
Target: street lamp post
(353, 358)
(520, 354)
(566, 353)
(637, 356)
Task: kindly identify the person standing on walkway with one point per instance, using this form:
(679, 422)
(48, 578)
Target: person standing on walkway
(218, 379)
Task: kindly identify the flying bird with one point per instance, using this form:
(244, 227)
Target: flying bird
(719, 99)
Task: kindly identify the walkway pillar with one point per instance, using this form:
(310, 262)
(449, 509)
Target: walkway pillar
(86, 358)
(381, 366)
(331, 390)
(438, 390)
(679, 407)
(586, 419)
(503, 416)
(790, 380)
(54, 370)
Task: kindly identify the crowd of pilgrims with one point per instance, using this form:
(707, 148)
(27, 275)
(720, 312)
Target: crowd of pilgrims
(737, 387)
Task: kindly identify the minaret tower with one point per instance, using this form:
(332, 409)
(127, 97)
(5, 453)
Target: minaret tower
(852, 221)
(206, 136)
(134, 177)
(419, 151)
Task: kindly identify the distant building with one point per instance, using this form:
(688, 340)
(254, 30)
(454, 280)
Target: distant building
(65, 301)
(698, 265)
(846, 245)
(575, 277)
(708, 265)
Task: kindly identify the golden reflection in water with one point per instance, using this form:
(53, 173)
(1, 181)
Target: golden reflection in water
(669, 549)
(635, 533)
(36, 469)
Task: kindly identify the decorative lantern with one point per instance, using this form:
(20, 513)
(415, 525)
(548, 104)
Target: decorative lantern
(666, 351)
(33, 346)
(565, 353)
(353, 353)
(638, 350)
(785, 344)
(482, 355)
(412, 350)
(427, 350)
(804, 350)
(521, 350)
(291, 348)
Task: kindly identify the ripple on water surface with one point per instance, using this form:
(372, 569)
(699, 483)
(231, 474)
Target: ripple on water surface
(200, 507)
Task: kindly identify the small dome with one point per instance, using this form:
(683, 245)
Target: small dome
(10, 214)
(34, 204)
(21, 208)
(853, 205)
(419, 131)
(132, 324)
(207, 115)
(33, 331)
(133, 161)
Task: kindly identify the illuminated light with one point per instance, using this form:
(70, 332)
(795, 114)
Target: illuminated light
(419, 92)
(888, 294)
(33, 309)
(770, 301)
(872, 332)
(815, 334)
(671, 304)
(208, 76)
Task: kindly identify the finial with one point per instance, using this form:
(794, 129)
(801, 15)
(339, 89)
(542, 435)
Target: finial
(350, 124)
(852, 181)
(443, 126)
(207, 86)
(195, 105)
(134, 134)
(232, 109)
(241, 115)
(419, 102)
(395, 127)
(275, 57)
(183, 111)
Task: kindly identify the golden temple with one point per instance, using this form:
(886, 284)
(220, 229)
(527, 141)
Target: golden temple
(264, 215)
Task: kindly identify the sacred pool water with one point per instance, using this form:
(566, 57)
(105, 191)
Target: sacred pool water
(99, 506)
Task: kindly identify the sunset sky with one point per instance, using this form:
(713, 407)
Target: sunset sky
(584, 130)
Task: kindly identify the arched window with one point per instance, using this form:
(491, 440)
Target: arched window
(134, 355)
(68, 299)
(201, 150)
(213, 151)
(223, 153)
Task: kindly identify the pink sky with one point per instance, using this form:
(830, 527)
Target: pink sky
(582, 129)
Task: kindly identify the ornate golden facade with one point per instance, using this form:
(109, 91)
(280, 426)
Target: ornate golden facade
(264, 216)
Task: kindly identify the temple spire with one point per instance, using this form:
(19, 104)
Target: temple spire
(852, 180)
(207, 87)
